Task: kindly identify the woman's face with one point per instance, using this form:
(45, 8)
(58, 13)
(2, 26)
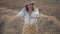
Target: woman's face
(29, 6)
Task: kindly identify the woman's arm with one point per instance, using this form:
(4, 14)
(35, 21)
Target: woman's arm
(35, 13)
(21, 13)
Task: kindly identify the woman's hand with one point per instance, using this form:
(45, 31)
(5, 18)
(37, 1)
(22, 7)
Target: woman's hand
(22, 18)
(33, 17)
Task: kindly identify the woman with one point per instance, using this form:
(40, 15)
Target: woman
(29, 14)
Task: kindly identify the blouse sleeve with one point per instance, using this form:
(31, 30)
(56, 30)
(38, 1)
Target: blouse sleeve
(36, 12)
(21, 13)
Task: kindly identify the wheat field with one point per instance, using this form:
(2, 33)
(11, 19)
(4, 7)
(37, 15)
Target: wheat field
(48, 20)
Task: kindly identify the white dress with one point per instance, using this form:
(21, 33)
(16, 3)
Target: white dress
(30, 26)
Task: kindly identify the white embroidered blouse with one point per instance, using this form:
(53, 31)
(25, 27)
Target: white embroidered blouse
(26, 15)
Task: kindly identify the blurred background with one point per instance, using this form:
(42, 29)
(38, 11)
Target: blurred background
(48, 22)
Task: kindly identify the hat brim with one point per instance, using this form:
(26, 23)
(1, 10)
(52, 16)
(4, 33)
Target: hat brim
(30, 3)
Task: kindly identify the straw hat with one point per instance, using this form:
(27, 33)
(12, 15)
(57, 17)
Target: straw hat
(29, 1)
